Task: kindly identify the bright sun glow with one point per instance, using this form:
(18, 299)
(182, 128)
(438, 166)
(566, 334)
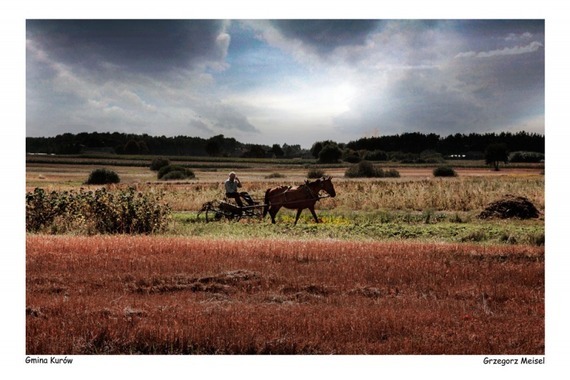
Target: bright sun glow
(342, 96)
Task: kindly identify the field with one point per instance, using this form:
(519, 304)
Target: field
(398, 266)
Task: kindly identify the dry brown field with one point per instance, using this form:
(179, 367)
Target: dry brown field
(179, 295)
(416, 189)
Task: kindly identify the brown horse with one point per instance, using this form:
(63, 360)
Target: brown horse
(298, 197)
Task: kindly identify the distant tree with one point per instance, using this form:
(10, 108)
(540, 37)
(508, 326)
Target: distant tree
(316, 149)
(330, 154)
(292, 150)
(132, 147)
(496, 153)
(320, 145)
(376, 155)
(526, 157)
(255, 151)
(277, 151)
(213, 148)
(351, 156)
(135, 147)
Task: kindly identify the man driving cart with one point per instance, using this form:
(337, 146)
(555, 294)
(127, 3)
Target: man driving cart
(232, 184)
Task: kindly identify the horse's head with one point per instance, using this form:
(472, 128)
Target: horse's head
(325, 184)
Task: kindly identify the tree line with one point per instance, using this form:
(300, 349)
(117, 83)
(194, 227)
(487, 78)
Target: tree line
(404, 146)
(133, 144)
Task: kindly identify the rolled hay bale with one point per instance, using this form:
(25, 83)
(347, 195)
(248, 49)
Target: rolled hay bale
(510, 207)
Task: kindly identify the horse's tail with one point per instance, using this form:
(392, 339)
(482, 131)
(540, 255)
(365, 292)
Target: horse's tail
(266, 203)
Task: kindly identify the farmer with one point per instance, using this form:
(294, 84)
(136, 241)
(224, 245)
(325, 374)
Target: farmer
(231, 185)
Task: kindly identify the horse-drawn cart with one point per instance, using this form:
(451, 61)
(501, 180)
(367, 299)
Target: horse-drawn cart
(220, 209)
(292, 197)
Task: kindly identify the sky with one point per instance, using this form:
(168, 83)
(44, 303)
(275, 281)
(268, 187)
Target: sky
(293, 81)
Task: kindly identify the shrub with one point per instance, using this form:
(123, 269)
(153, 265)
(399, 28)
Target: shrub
(124, 211)
(376, 155)
(526, 157)
(174, 175)
(315, 173)
(405, 158)
(430, 157)
(172, 172)
(159, 163)
(367, 169)
(351, 156)
(330, 154)
(393, 173)
(102, 177)
(275, 175)
(444, 171)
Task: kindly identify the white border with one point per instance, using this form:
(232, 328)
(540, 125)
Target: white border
(12, 267)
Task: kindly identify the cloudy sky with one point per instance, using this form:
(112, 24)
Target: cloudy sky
(284, 81)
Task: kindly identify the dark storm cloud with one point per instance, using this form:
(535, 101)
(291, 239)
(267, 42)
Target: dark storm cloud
(350, 77)
(497, 28)
(135, 45)
(326, 35)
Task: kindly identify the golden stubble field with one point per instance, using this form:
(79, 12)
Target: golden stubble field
(415, 190)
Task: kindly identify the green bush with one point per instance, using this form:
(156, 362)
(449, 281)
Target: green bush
(330, 154)
(444, 171)
(430, 157)
(376, 155)
(102, 211)
(159, 163)
(521, 156)
(352, 156)
(102, 177)
(368, 170)
(175, 172)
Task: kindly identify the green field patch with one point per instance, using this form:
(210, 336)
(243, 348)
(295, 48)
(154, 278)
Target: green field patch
(367, 227)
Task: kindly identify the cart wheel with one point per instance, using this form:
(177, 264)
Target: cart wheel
(213, 215)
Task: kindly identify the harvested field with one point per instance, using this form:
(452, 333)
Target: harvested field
(176, 295)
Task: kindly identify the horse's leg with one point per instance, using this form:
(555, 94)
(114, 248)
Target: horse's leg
(272, 212)
(312, 209)
(299, 210)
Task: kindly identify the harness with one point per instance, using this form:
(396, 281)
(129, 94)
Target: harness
(307, 187)
(311, 193)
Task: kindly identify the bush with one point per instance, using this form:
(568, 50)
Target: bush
(102, 177)
(174, 172)
(158, 163)
(526, 157)
(351, 156)
(124, 211)
(367, 169)
(330, 154)
(275, 175)
(315, 173)
(392, 173)
(430, 157)
(376, 155)
(444, 171)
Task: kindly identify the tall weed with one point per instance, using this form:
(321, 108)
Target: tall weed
(100, 211)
